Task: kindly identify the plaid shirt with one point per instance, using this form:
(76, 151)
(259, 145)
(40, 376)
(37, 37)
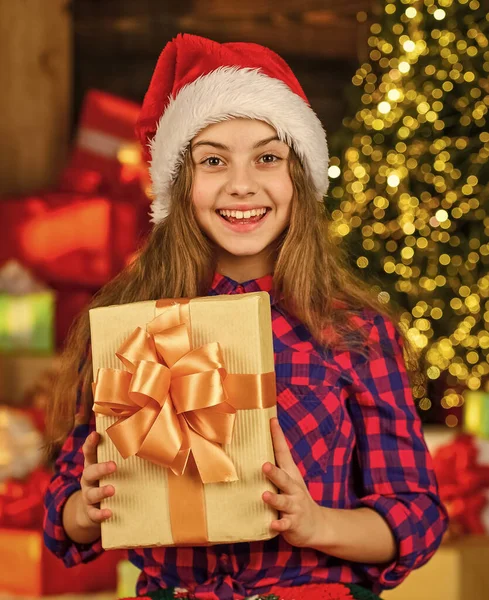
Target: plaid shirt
(355, 435)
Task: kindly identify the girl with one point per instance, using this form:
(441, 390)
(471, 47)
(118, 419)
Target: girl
(239, 168)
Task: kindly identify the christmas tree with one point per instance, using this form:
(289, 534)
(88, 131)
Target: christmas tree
(409, 189)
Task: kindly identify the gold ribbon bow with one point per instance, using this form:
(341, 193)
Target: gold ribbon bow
(171, 401)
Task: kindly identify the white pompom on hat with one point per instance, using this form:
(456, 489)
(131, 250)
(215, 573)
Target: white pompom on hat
(198, 82)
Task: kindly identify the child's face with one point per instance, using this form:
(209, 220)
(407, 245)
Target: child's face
(241, 167)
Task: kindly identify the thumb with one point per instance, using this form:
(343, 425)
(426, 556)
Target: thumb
(282, 452)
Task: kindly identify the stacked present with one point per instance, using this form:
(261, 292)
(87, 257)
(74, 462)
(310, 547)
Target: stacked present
(462, 469)
(27, 567)
(77, 236)
(461, 461)
(72, 238)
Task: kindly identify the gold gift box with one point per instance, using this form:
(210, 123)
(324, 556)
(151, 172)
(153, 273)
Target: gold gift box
(457, 571)
(234, 511)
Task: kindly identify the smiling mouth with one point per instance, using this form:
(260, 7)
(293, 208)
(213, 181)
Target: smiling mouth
(243, 217)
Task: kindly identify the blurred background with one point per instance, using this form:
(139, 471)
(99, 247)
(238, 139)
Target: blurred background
(402, 88)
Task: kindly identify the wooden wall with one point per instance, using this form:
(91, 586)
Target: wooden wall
(117, 42)
(35, 97)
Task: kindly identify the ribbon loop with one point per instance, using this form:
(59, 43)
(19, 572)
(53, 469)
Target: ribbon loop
(138, 346)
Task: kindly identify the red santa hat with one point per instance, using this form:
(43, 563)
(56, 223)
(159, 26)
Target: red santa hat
(198, 82)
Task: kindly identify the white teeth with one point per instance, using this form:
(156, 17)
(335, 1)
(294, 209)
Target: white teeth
(239, 214)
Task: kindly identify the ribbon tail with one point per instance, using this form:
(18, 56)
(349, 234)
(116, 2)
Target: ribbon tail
(128, 434)
(179, 464)
(215, 423)
(163, 440)
(213, 464)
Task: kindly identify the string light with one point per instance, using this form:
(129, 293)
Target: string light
(410, 183)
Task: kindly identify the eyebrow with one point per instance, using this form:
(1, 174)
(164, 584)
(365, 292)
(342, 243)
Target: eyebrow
(219, 146)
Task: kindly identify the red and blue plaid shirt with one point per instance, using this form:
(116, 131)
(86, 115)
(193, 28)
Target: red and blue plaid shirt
(355, 435)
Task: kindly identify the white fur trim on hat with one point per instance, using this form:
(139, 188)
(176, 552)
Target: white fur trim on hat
(233, 92)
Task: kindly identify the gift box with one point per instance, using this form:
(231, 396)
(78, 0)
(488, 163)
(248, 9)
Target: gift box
(69, 239)
(26, 311)
(462, 471)
(476, 413)
(127, 578)
(28, 568)
(21, 450)
(458, 571)
(19, 372)
(106, 152)
(185, 391)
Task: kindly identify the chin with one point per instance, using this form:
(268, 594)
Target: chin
(243, 249)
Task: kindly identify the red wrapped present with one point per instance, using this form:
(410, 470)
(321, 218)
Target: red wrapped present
(106, 147)
(21, 501)
(76, 239)
(462, 471)
(28, 568)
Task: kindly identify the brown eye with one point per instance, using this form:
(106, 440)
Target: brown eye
(212, 161)
(269, 158)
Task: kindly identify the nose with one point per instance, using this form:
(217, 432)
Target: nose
(241, 183)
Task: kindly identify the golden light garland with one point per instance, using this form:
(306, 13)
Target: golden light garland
(410, 182)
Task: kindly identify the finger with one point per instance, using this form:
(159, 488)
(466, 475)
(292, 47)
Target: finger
(97, 494)
(98, 515)
(280, 478)
(93, 473)
(281, 448)
(281, 525)
(90, 448)
(280, 502)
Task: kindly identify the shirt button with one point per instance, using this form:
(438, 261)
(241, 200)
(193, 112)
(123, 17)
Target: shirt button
(224, 563)
(240, 289)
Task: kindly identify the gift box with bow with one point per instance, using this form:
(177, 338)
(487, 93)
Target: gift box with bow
(462, 471)
(184, 392)
(69, 239)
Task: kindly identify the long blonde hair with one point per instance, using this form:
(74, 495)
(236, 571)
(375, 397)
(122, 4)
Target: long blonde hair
(311, 276)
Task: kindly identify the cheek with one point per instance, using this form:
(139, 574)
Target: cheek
(283, 194)
(200, 197)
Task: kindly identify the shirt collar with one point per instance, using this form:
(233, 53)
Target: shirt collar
(223, 285)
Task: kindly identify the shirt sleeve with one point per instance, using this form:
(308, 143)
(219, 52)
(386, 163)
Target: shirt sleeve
(66, 481)
(397, 478)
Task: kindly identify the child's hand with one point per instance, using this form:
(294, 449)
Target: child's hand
(89, 513)
(299, 515)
